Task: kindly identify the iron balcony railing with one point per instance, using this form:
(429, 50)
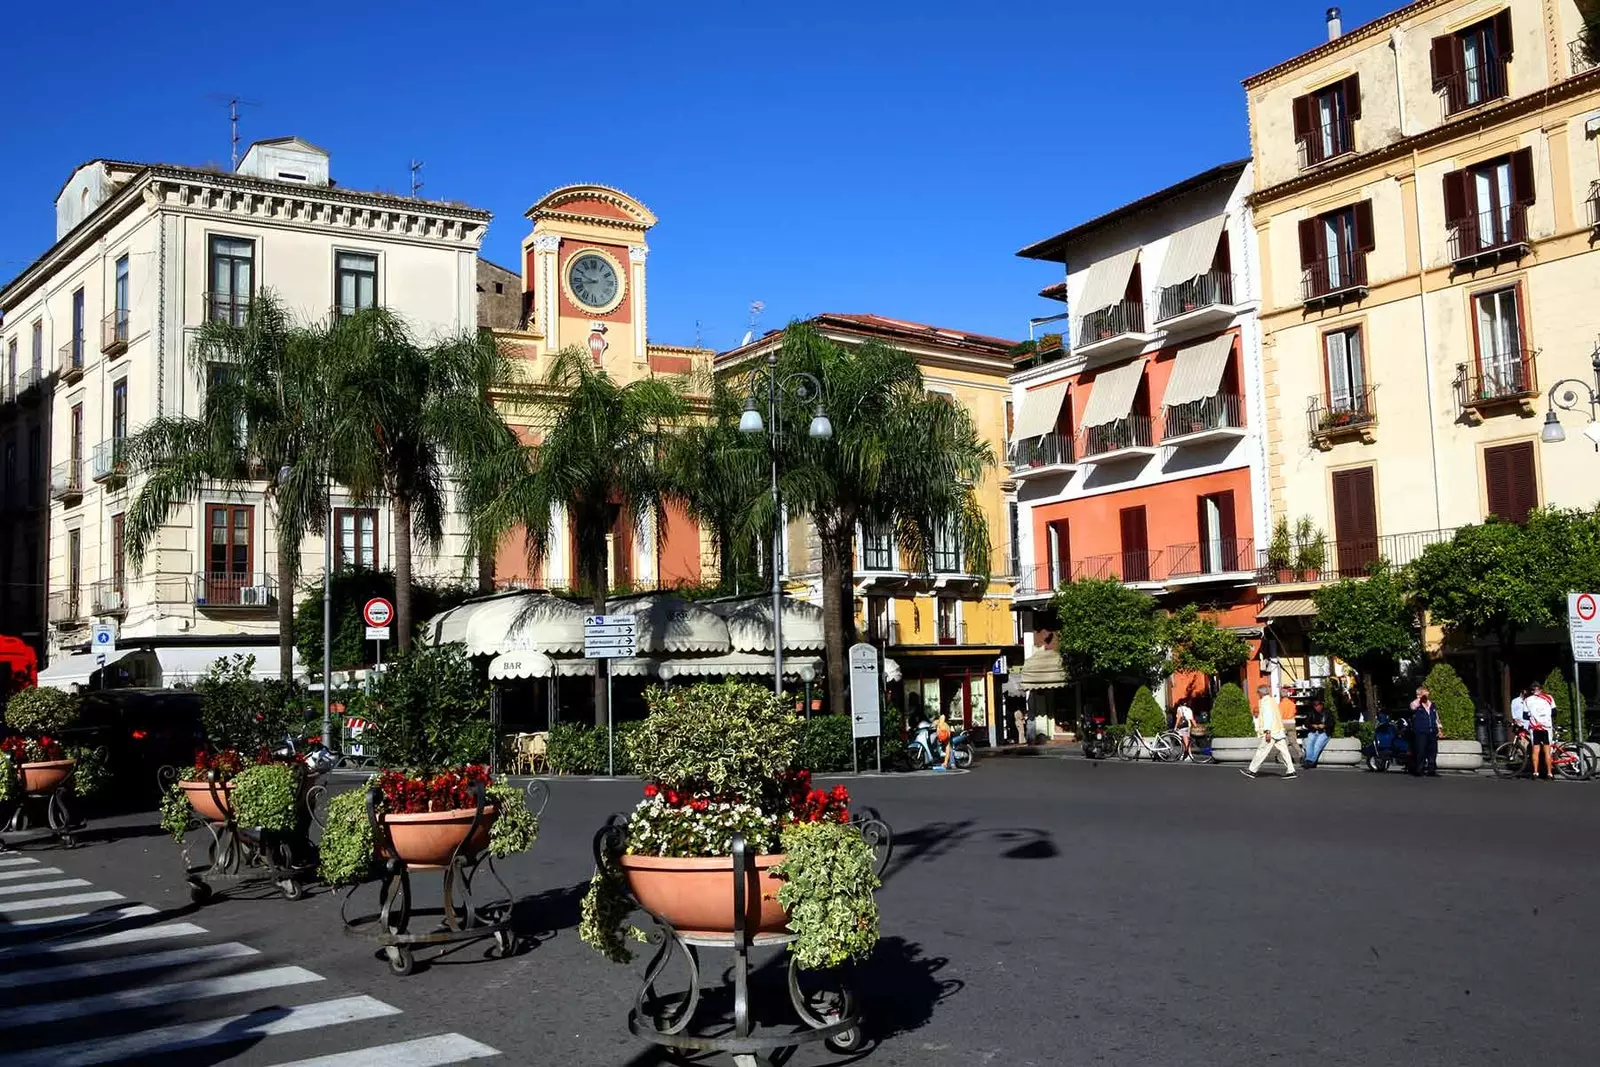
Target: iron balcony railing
(1498, 376)
(69, 360)
(108, 462)
(114, 332)
(1489, 232)
(1053, 449)
(1348, 558)
(1132, 431)
(1328, 141)
(1132, 567)
(950, 632)
(27, 381)
(1584, 52)
(1326, 417)
(1478, 84)
(1223, 411)
(1334, 276)
(228, 308)
(65, 607)
(1211, 289)
(66, 479)
(235, 589)
(108, 597)
(1593, 203)
(1223, 555)
(1121, 318)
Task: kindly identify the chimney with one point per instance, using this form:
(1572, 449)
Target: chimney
(1334, 26)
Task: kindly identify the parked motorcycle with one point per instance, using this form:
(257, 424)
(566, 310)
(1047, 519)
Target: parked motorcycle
(925, 751)
(1096, 738)
(1391, 743)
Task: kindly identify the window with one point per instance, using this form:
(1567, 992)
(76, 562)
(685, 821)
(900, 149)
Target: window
(1486, 204)
(122, 286)
(1333, 250)
(1323, 120)
(355, 281)
(1219, 550)
(1347, 372)
(232, 279)
(77, 328)
(1355, 521)
(948, 625)
(878, 618)
(877, 547)
(946, 550)
(228, 554)
(1014, 538)
(35, 463)
(38, 350)
(74, 570)
(358, 537)
(119, 409)
(1512, 483)
(1469, 66)
(118, 567)
(11, 369)
(1497, 326)
(76, 449)
(1135, 545)
(10, 474)
(1058, 552)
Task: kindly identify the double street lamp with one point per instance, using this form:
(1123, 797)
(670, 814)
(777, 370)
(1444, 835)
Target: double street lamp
(807, 389)
(1569, 399)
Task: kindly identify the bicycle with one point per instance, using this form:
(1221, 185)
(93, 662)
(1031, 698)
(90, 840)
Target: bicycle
(1567, 758)
(1134, 746)
(1199, 748)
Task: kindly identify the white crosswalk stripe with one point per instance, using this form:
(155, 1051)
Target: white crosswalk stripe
(116, 965)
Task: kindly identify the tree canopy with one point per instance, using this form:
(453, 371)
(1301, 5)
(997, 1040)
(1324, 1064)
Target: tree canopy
(1367, 623)
(1197, 644)
(1108, 633)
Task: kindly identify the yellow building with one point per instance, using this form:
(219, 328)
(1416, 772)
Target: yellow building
(1425, 203)
(944, 632)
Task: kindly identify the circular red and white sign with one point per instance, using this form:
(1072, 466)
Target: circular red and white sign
(1586, 607)
(378, 612)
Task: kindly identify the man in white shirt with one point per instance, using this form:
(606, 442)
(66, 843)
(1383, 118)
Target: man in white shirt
(1519, 708)
(1183, 722)
(1541, 712)
(1269, 727)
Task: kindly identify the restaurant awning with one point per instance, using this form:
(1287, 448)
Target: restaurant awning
(635, 667)
(185, 665)
(1111, 393)
(1293, 607)
(671, 624)
(806, 668)
(1197, 372)
(749, 622)
(521, 665)
(77, 670)
(1040, 409)
(1107, 282)
(1190, 252)
(510, 622)
(1043, 670)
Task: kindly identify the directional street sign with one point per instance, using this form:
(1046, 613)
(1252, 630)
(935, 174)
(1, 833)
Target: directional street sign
(1583, 624)
(610, 636)
(864, 691)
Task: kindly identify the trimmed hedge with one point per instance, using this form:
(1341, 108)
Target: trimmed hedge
(1146, 714)
(577, 749)
(1457, 715)
(1230, 714)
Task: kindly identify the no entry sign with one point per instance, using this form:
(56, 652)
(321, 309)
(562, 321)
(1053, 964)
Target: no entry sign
(1583, 625)
(378, 612)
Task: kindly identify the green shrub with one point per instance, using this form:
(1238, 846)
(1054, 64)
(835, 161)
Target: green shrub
(727, 738)
(239, 711)
(1230, 714)
(1457, 715)
(345, 851)
(41, 710)
(428, 710)
(92, 773)
(265, 795)
(515, 828)
(1557, 687)
(825, 745)
(576, 749)
(1146, 714)
(827, 887)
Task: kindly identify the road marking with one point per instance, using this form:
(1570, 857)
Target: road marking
(59, 902)
(80, 918)
(122, 964)
(17, 861)
(121, 937)
(149, 1044)
(151, 996)
(31, 872)
(39, 887)
(423, 1052)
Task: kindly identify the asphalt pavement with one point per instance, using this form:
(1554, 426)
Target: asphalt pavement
(1035, 911)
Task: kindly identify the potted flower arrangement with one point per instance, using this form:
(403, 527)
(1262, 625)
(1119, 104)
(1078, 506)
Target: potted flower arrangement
(717, 762)
(1280, 551)
(35, 753)
(1311, 551)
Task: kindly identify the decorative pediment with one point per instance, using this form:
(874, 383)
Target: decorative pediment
(599, 203)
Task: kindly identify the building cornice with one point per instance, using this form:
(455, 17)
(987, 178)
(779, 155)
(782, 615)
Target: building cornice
(1518, 107)
(1328, 48)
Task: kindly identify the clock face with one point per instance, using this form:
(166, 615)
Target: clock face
(593, 280)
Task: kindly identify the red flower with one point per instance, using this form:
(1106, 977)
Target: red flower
(651, 789)
(700, 804)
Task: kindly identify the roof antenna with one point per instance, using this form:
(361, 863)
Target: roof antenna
(697, 343)
(234, 103)
(756, 308)
(416, 177)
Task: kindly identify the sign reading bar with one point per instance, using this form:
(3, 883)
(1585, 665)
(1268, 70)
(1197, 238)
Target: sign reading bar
(1583, 625)
(610, 636)
(864, 691)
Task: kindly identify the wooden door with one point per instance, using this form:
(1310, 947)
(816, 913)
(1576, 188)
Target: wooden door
(1135, 546)
(1355, 521)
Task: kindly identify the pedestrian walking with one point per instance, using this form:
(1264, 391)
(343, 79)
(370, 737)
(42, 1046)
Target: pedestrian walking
(1269, 727)
(1183, 721)
(1424, 734)
(941, 730)
(1541, 723)
(1319, 727)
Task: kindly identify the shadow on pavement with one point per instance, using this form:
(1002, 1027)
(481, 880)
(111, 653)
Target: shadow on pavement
(940, 838)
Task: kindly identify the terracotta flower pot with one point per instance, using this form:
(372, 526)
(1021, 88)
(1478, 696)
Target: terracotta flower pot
(696, 895)
(430, 838)
(45, 777)
(208, 799)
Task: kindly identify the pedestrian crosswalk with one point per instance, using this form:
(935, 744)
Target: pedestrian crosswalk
(87, 977)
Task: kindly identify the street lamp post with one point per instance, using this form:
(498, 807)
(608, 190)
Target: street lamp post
(1568, 400)
(807, 389)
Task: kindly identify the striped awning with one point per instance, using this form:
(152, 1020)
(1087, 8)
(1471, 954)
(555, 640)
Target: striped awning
(1107, 282)
(1111, 393)
(1197, 372)
(745, 664)
(1043, 670)
(1294, 607)
(1040, 409)
(521, 665)
(632, 667)
(1190, 252)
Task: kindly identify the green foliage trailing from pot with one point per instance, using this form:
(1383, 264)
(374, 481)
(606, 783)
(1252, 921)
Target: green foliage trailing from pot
(603, 915)
(828, 881)
(1146, 714)
(428, 709)
(175, 812)
(92, 773)
(8, 780)
(41, 711)
(1230, 714)
(515, 828)
(1458, 718)
(345, 852)
(265, 796)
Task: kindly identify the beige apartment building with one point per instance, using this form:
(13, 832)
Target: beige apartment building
(1426, 191)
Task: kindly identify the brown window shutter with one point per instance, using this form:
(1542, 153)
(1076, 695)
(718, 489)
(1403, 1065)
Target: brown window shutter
(1230, 528)
(1355, 520)
(1351, 88)
(1511, 482)
(1365, 240)
(1202, 535)
(1308, 243)
(1502, 34)
(1497, 483)
(1522, 186)
(1443, 58)
(1134, 533)
(1455, 196)
(1303, 121)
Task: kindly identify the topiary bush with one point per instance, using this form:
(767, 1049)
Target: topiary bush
(1230, 714)
(728, 738)
(1458, 717)
(1146, 714)
(41, 711)
(265, 796)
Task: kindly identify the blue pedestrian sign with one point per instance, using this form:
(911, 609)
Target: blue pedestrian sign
(103, 638)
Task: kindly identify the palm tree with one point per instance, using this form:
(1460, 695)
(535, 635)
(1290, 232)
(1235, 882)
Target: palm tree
(899, 458)
(410, 423)
(598, 459)
(263, 422)
(719, 476)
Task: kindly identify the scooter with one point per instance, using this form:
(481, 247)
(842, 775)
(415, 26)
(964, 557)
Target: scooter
(1391, 743)
(925, 752)
(1096, 742)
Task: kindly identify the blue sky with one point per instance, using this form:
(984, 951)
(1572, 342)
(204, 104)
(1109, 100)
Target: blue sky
(886, 157)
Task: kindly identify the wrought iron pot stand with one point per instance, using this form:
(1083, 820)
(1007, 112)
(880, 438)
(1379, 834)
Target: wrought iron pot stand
(59, 823)
(460, 920)
(249, 855)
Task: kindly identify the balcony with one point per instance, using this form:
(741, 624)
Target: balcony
(114, 333)
(235, 590)
(108, 464)
(28, 382)
(1489, 237)
(227, 308)
(1592, 202)
(1200, 303)
(1226, 558)
(65, 608)
(1349, 558)
(1584, 52)
(1108, 332)
(108, 597)
(1499, 383)
(69, 361)
(1035, 456)
(1332, 281)
(1329, 140)
(1212, 418)
(1138, 567)
(66, 482)
(1037, 581)
(1344, 418)
(1473, 87)
(1125, 439)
